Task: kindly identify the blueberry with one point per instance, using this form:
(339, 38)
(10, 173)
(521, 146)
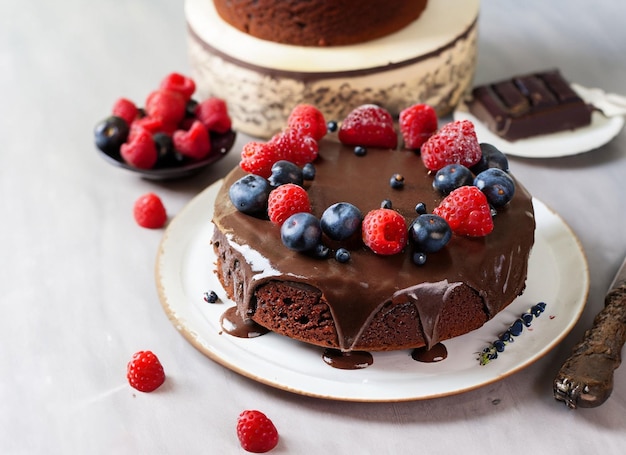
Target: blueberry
(210, 297)
(308, 171)
(342, 255)
(386, 204)
(506, 337)
(167, 156)
(301, 232)
(429, 233)
(420, 208)
(452, 176)
(285, 172)
(331, 126)
(321, 251)
(249, 194)
(341, 220)
(419, 258)
(497, 185)
(190, 109)
(110, 134)
(396, 181)
(491, 157)
(359, 150)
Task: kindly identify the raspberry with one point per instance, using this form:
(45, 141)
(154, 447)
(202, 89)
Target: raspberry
(384, 231)
(145, 372)
(194, 143)
(292, 145)
(258, 158)
(308, 120)
(125, 109)
(152, 125)
(213, 113)
(417, 124)
(455, 143)
(167, 105)
(179, 83)
(149, 211)
(286, 200)
(140, 151)
(467, 212)
(369, 126)
(256, 432)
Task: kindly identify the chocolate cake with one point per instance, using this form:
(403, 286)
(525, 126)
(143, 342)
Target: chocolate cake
(529, 105)
(430, 60)
(372, 302)
(319, 22)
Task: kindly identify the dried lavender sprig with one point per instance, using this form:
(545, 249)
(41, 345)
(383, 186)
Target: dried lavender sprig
(508, 336)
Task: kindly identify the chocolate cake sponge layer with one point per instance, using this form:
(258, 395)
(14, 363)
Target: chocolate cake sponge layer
(299, 311)
(319, 22)
(372, 302)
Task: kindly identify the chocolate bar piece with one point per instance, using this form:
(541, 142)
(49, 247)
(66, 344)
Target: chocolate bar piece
(530, 105)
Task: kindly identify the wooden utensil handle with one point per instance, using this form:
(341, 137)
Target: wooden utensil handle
(586, 378)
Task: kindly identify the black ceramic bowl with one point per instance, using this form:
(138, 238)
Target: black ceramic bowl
(221, 144)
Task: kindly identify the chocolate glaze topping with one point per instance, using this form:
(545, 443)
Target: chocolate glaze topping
(494, 266)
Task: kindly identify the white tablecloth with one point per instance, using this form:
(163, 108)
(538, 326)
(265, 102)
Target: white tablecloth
(77, 287)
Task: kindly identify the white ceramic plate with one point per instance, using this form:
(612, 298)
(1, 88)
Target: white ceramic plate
(185, 271)
(601, 130)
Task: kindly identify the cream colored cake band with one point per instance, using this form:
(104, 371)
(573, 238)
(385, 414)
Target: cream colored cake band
(262, 81)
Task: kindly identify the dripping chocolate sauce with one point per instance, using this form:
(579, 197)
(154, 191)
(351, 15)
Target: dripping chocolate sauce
(435, 354)
(233, 324)
(351, 360)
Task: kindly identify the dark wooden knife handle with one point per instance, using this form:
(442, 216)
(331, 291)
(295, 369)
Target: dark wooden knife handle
(586, 378)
